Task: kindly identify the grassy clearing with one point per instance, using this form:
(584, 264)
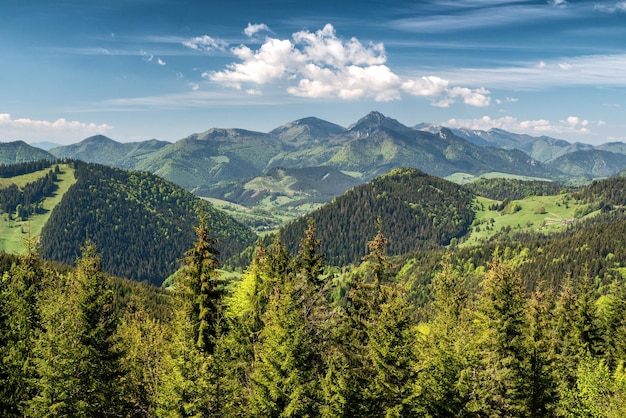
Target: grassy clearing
(13, 232)
(464, 178)
(543, 214)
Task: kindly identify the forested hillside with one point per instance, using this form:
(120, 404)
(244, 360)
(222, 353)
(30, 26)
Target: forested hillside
(418, 211)
(140, 222)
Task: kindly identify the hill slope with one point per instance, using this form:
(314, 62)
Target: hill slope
(140, 223)
(417, 211)
(20, 152)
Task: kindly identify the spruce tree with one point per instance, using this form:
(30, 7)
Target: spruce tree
(192, 378)
(502, 386)
(20, 290)
(445, 353)
(78, 360)
(289, 361)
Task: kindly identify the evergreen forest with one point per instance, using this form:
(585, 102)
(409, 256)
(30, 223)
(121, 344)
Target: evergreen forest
(408, 324)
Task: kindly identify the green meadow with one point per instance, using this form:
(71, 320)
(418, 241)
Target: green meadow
(13, 232)
(543, 214)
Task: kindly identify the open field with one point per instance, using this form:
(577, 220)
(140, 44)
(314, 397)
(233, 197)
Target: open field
(543, 214)
(13, 232)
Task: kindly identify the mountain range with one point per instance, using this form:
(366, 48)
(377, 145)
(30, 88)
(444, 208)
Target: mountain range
(240, 165)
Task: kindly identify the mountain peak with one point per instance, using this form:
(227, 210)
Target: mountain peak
(376, 121)
(307, 129)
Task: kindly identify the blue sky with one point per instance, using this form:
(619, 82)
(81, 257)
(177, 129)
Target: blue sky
(141, 69)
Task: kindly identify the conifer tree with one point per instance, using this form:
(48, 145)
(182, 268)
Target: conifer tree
(288, 357)
(502, 385)
(370, 371)
(200, 285)
(20, 290)
(193, 372)
(78, 360)
(445, 353)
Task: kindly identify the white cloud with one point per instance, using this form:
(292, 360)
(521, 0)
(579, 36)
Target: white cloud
(32, 129)
(205, 44)
(507, 100)
(570, 125)
(587, 70)
(620, 6)
(253, 29)
(321, 65)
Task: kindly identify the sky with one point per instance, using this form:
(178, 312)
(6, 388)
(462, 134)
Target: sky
(134, 70)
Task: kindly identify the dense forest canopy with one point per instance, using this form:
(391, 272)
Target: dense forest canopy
(140, 222)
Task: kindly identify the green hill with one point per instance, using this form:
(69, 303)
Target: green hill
(417, 211)
(140, 223)
(19, 152)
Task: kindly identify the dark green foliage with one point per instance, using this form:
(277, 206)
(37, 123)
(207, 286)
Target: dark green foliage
(12, 170)
(140, 222)
(20, 289)
(77, 359)
(512, 189)
(28, 197)
(420, 211)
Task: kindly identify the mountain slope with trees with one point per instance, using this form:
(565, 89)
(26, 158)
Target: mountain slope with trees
(417, 211)
(20, 152)
(140, 222)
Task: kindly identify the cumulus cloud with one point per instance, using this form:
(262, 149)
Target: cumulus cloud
(25, 128)
(570, 125)
(322, 65)
(205, 44)
(253, 29)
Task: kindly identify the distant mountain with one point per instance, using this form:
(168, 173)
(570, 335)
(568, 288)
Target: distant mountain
(237, 163)
(103, 150)
(20, 152)
(303, 132)
(380, 144)
(592, 163)
(46, 146)
(573, 159)
(140, 223)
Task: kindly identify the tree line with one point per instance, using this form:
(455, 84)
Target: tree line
(26, 200)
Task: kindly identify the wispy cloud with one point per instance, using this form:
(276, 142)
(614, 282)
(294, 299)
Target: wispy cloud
(205, 44)
(614, 7)
(321, 65)
(440, 17)
(25, 128)
(569, 125)
(151, 58)
(588, 70)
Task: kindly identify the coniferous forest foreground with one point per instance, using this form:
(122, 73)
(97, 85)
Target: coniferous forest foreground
(295, 337)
